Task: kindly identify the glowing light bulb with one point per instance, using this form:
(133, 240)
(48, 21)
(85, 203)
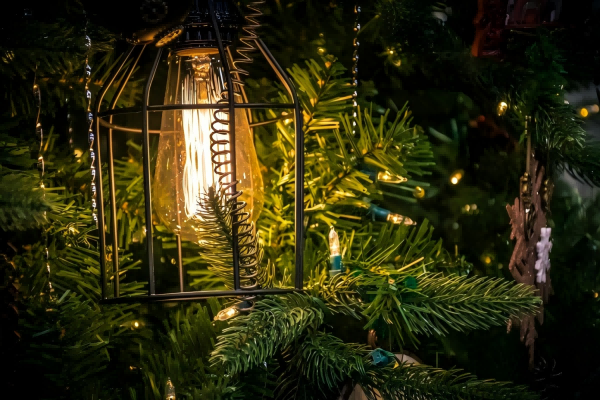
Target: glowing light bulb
(584, 112)
(334, 242)
(419, 192)
(456, 176)
(390, 178)
(501, 109)
(169, 390)
(227, 313)
(194, 144)
(335, 257)
(400, 219)
(136, 324)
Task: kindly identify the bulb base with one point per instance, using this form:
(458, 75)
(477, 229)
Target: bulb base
(336, 265)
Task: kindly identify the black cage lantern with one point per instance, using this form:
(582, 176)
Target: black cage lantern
(205, 140)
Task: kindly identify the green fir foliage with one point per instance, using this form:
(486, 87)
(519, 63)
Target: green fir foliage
(397, 277)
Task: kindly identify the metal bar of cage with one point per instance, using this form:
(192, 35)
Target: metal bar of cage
(232, 147)
(98, 167)
(146, 168)
(214, 106)
(299, 166)
(195, 295)
(111, 175)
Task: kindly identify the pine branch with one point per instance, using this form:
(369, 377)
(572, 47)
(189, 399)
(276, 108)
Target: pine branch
(22, 203)
(275, 323)
(181, 353)
(71, 344)
(319, 365)
(339, 293)
(323, 93)
(420, 382)
(214, 222)
(442, 303)
(214, 218)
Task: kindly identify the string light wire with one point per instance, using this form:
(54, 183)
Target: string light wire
(41, 167)
(355, 57)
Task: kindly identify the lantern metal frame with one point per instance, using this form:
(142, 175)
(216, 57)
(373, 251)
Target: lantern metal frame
(146, 108)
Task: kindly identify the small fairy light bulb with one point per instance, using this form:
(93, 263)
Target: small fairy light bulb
(501, 109)
(400, 219)
(227, 313)
(584, 112)
(169, 390)
(419, 192)
(456, 176)
(390, 178)
(335, 257)
(135, 324)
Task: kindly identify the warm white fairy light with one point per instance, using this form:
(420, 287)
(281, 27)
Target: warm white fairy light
(390, 178)
(334, 242)
(227, 313)
(169, 390)
(400, 219)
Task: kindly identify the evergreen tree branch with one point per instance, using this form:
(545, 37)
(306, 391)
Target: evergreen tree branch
(275, 323)
(442, 303)
(23, 204)
(319, 365)
(421, 382)
(214, 218)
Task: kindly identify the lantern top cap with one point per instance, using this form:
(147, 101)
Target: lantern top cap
(198, 34)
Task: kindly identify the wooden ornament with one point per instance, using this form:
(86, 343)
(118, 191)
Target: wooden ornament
(526, 231)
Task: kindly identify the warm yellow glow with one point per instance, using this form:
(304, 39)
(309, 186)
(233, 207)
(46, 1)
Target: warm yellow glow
(198, 168)
(595, 108)
(400, 219)
(136, 324)
(390, 178)
(193, 149)
(584, 112)
(595, 295)
(419, 192)
(334, 243)
(487, 260)
(227, 313)
(502, 107)
(456, 176)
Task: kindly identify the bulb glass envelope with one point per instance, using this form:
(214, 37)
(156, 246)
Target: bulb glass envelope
(171, 196)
